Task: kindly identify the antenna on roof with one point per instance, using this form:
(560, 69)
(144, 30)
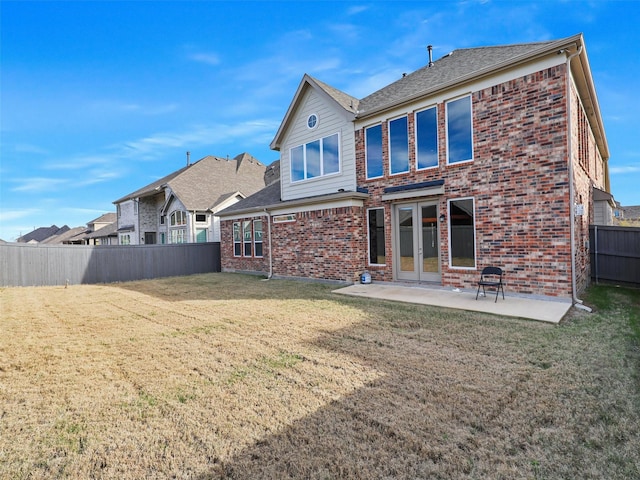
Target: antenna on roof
(188, 158)
(430, 50)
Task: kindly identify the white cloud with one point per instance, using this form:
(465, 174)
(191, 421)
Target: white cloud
(28, 148)
(38, 184)
(206, 58)
(625, 169)
(356, 9)
(9, 215)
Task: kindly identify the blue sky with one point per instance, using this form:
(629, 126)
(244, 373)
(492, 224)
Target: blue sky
(101, 98)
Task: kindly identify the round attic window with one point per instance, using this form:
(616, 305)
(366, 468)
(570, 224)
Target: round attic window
(312, 121)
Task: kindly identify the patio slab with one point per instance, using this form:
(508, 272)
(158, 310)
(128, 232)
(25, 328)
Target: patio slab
(533, 308)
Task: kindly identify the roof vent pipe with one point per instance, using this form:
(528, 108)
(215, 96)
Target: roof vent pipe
(430, 50)
(188, 158)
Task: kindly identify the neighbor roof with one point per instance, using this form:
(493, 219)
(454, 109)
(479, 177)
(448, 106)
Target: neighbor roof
(207, 182)
(42, 233)
(62, 237)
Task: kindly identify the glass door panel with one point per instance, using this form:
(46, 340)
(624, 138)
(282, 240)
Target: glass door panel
(430, 241)
(406, 243)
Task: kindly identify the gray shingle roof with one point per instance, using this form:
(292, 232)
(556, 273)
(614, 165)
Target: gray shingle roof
(205, 183)
(345, 100)
(453, 68)
(42, 233)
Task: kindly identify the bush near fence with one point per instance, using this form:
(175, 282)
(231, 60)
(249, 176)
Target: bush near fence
(23, 265)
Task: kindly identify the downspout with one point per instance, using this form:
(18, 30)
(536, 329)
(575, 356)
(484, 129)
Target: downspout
(270, 250)
(572, 216)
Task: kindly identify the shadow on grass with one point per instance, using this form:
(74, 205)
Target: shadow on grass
(444, 406)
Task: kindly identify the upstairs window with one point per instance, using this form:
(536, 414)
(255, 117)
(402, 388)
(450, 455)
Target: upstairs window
(399, 145)
(373, 151)
(459, 131)
(178, 218)
(315, 159)
(427, 138)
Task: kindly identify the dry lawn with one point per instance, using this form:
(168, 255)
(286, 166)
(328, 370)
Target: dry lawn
(229, 376)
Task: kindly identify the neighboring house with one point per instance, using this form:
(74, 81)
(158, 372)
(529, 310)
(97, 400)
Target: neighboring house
(102, 230)
(39, 235)
(487, 156)
(70, 236)
(604, 207)
(627, 216)
(182, 207)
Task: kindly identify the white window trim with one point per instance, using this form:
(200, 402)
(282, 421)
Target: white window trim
(446, 128)
(369, 238)
(304, 160)
(415, 140)
(261, 242)
(366, 162)
(237, 241)
(317, 121)
(475, 237)
(408, 170)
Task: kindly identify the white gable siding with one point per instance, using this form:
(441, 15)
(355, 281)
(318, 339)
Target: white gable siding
(331, 121)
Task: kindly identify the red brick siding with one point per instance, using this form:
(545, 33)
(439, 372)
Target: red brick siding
(242, 264)
(518, 179)
(324, 244)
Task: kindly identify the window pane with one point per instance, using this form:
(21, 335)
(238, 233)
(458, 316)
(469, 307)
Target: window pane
(373, 139)
(313, 159)
(399, 145)
(462, 235)
(427, 138)
(459, 142)
(377, 254)
(297, 163)
(236, 232)
(330, 155)
(257, 230)
(258, 247)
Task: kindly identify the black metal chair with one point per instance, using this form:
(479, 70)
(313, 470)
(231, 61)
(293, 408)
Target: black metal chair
(491, 277)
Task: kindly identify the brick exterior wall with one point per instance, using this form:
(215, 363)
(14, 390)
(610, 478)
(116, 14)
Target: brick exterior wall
(518, 180)
(322, 244)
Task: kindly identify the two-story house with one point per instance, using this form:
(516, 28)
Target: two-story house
(486, 156)
(181, 207)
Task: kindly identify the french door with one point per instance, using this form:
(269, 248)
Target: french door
(417, 242)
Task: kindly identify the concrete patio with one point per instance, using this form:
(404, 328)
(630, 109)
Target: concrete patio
(544, 309)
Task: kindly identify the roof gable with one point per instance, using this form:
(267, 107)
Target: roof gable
(343, 103)
(202, 184)
(209, 180)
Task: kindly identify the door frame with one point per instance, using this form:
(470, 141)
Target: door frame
(418, 274)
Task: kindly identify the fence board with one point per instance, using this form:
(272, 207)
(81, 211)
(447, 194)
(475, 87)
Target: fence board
(24, 265)
(615, 254)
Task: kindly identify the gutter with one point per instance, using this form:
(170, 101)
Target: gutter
(572, 216)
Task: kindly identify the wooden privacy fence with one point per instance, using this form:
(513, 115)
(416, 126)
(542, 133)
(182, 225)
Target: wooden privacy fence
(24, 265)
(615, 254)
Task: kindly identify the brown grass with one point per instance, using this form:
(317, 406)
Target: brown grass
(228, 376)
